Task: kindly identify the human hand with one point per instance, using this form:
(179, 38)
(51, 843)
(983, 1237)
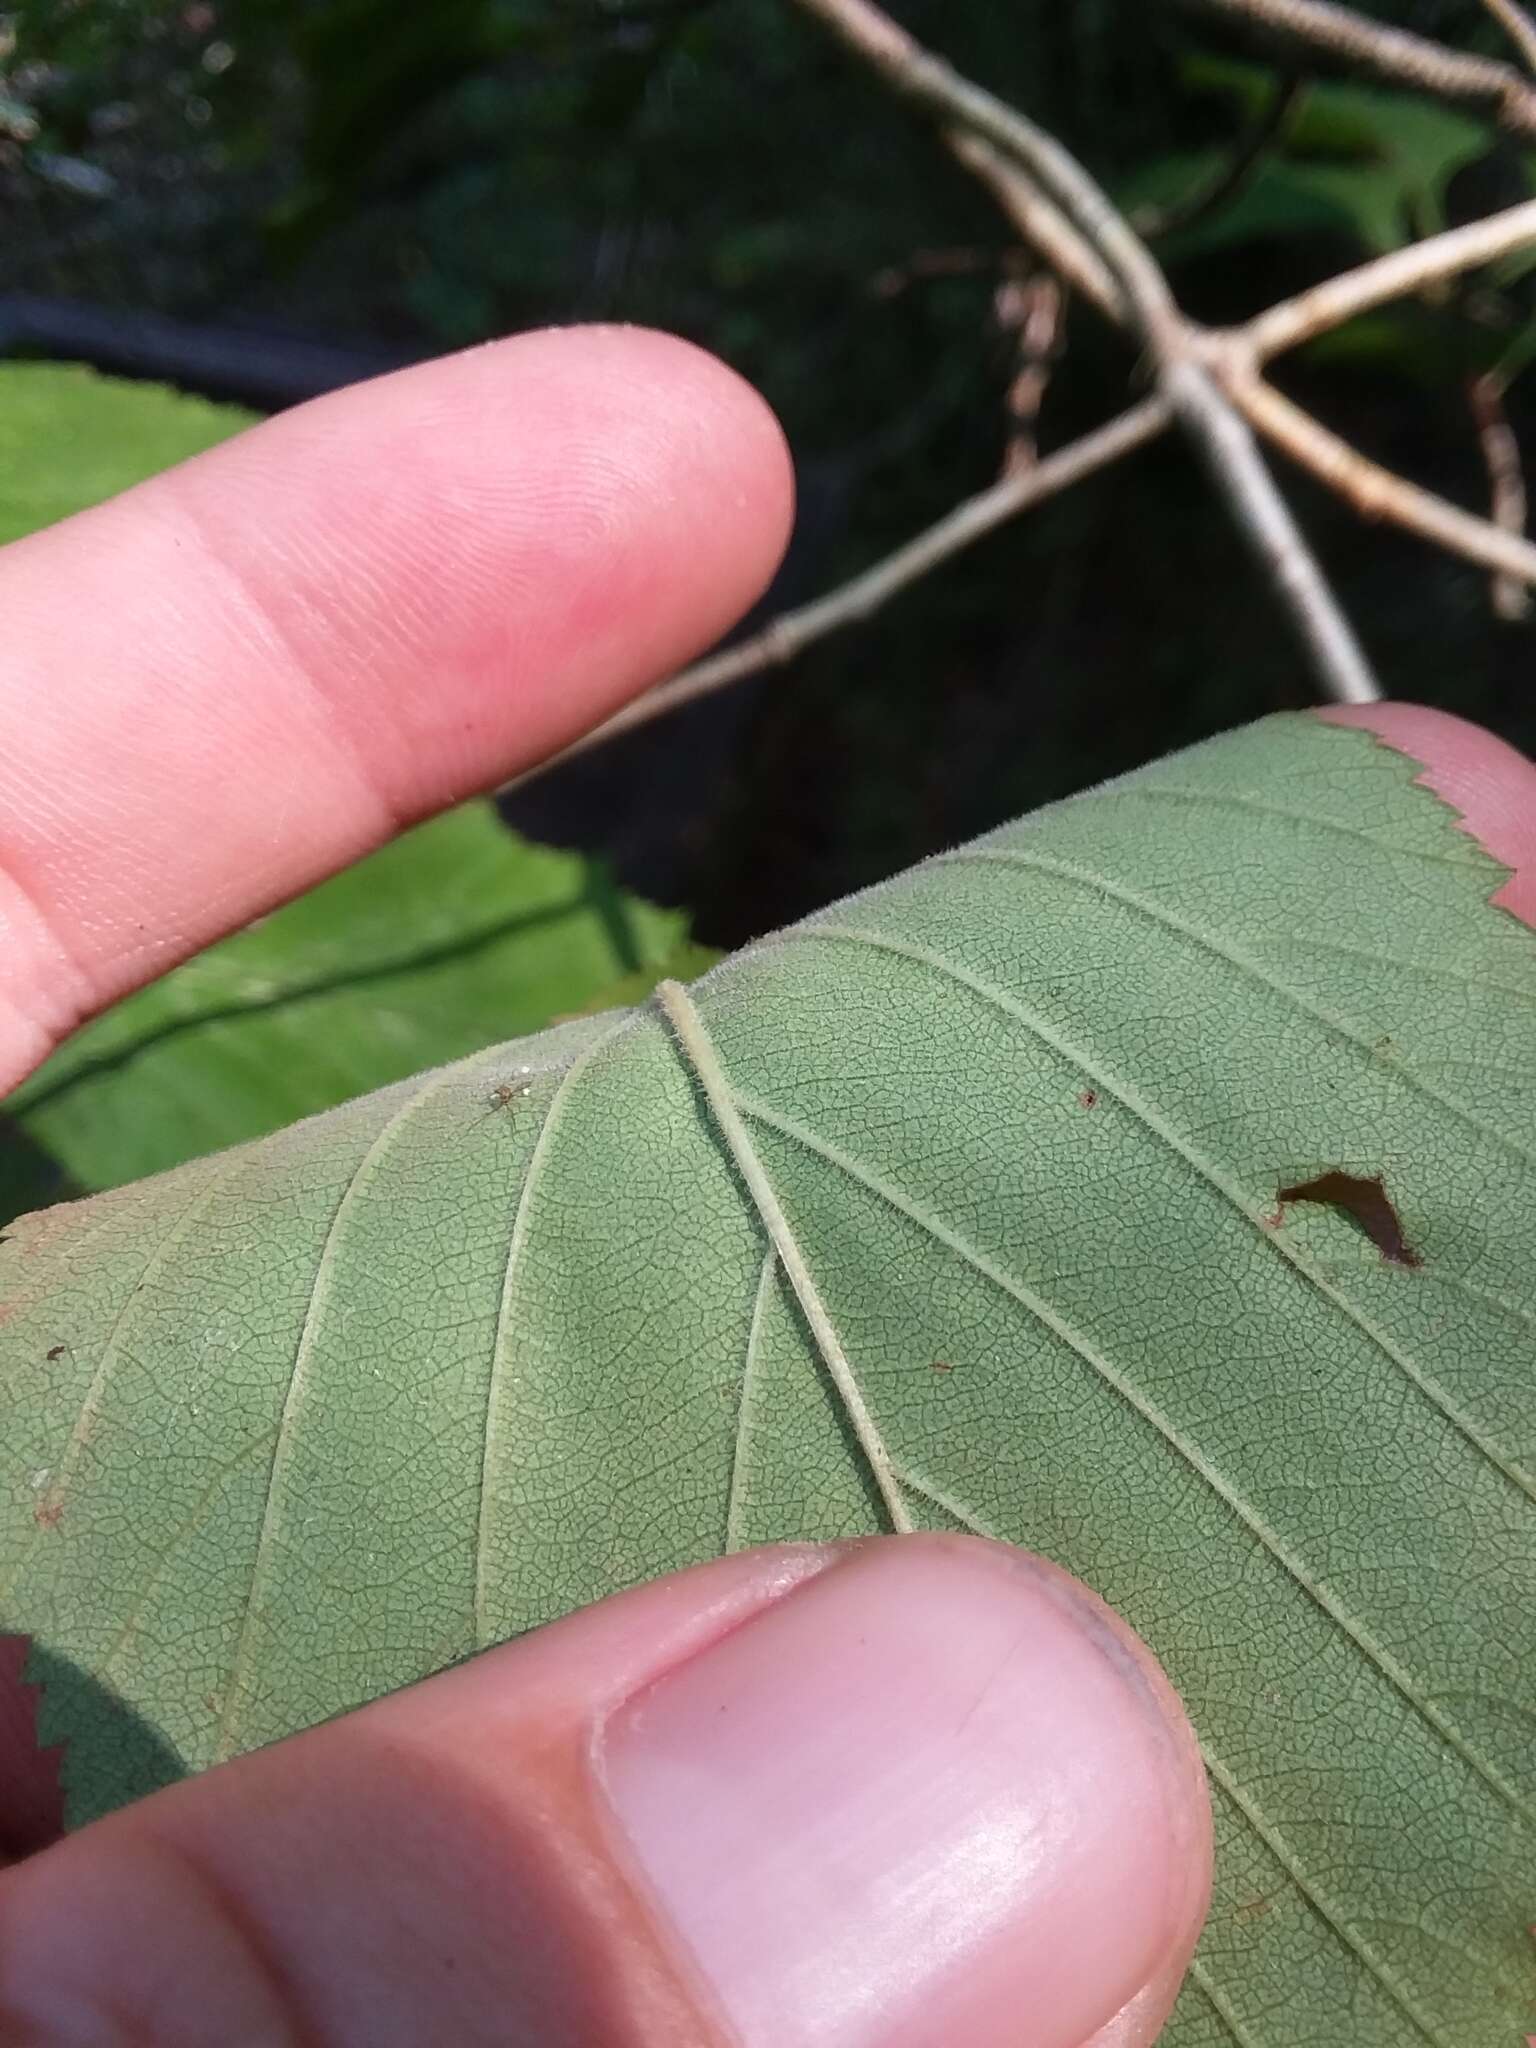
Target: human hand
(919, 1790)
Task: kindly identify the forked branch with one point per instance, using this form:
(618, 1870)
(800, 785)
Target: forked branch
(1212, 384)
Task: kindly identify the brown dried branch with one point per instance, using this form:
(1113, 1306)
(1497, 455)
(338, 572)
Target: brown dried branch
(1029, 309)
(1329, 305)
(1395, 54)
(785, 637)
(1235, 175)
(1518, 26)
(1367, 486)
(1040, 223)
(1506, 484)
(1202, 409)
(917, 74)
(1374, 492)
(1057, 210)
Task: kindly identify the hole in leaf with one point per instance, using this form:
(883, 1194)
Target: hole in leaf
(1363, 1198)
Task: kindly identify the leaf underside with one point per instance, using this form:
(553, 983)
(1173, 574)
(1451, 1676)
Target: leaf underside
(429, 950)
(302, 1422)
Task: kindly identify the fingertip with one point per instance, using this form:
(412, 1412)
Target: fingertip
(991, 1802)
(1489, 782)
(343, 620)
(519, 536)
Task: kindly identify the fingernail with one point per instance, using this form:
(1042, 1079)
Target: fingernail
(931, 1796)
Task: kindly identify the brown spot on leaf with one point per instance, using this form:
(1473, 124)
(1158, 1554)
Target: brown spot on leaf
(1089, 1098)
(47, 1512)
(940, 1365)
(1366, 1200)
(1252, 1909)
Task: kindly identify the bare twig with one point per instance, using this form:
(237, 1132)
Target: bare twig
(1506, 483)
(917, 74)
(1210, 382)
(926, 264)
(1272, 533)
(1028, 309)
(1234, 176)
(1518, 26)
(1198, 402)
(1397, 55)
(1389, 277)
(785, 637)
(1378, 493)
(1040, 223)
(1367, 486)
(1270, 528)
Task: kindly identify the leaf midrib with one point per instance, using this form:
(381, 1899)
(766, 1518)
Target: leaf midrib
(1334, 1917)
(1122, 1384)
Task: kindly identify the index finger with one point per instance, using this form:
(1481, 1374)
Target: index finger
(241, 676)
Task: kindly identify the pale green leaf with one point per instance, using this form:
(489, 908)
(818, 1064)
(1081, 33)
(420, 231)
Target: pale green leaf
(1377, 163)
(299, 1423)
(69, 438)
(430, 949)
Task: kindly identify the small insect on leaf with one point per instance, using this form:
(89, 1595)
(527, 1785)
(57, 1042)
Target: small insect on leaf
(505, 1093)
(1366, 1200)
(54, 1351)
(941, 1365)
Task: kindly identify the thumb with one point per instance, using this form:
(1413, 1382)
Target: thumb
(908, 1791)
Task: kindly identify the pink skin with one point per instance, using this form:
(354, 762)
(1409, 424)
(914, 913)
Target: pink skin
(245, 674)
(1487, 780)
(217, 690)
(1007, 1815)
